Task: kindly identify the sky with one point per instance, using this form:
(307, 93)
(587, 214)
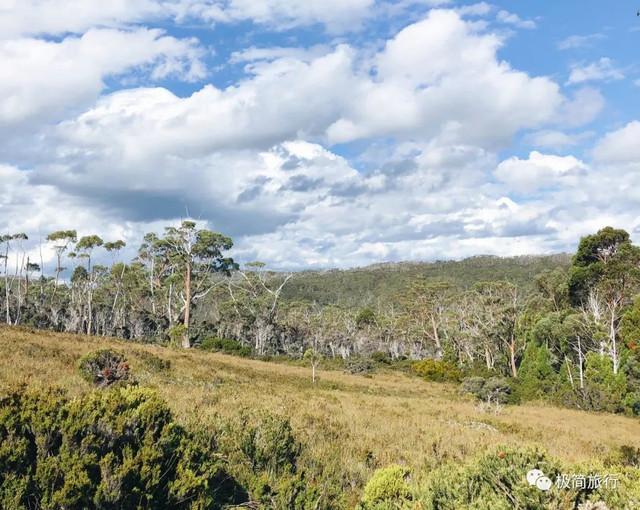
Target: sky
(322, 133)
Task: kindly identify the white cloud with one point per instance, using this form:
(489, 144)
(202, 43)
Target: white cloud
(552, 139)
(600, 70)
(510, 18)
(73, 70)
(582, 108)
(580, 41)
(539, 171)
(441, 78)
(620, 146)
(435, 105)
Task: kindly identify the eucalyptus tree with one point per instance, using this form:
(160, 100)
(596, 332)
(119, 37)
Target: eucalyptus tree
(255, 293)
(195, 256)
(117, 273)
(604, 278)
(7, 241)
(61, 240)
(425, 305)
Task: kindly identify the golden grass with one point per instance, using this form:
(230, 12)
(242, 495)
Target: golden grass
(349, 423)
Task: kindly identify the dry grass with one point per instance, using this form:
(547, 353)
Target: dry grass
(349, 423)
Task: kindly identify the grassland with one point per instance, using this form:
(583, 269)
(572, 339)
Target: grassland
(349, 424)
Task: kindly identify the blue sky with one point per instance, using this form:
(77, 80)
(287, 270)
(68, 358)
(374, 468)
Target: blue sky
(323, 133)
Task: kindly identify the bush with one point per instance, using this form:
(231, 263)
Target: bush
(226, 346)
(492, 389)
(115, 449)
(361, 366)
(105, 368)
(496, 480)
(264, 455)
(154, 363)
(381, 358)
(436, 370)
(536, 377)
(387, 485)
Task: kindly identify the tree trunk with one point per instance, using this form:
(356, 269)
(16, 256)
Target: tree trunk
(186, 343)
(512, 358)
(436, 337)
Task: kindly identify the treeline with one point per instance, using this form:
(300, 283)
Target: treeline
(571, 335)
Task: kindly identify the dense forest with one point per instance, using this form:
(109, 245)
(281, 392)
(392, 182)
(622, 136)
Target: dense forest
(556, 327)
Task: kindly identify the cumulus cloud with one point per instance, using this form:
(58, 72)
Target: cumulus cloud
(600, 70)
(620, 146)
(256, 158)
(46, 80)
(539, 171)
(510, 18)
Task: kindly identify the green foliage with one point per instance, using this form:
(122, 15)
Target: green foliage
(105, 368)
(496, 480)
(360, 366)
(107, 450)
(381, 358)
(387, 485)
(176, 334)
(491, 389)
(536, 377)
(225, 345)
(437, 370)
(263, 454)
(365, 317)
(604, 390)
(154, 363)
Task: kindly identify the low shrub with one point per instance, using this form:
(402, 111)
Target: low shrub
(264, 455)
(105, 368)
(493, 389)
(387, 485)
(225, 345)
(119, 448)
(437, 370)
(381, 358)
(359, 366)
(154, 363)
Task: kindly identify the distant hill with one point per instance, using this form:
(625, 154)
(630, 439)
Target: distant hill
(367, 285)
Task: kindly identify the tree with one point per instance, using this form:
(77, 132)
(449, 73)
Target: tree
(425, 305)
(7, 240)
(594, 253)
(61, 239)
(196, 254)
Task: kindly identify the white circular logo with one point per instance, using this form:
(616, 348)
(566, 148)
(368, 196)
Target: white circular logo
(533, 475)
(544, 483)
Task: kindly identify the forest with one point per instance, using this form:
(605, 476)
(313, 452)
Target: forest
(559, 327)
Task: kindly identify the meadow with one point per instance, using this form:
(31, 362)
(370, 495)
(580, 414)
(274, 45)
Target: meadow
(349, 425)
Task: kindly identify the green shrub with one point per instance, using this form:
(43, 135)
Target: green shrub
(264, 454)
(436, 370)
(114, 449)
(381, 358)
(361, 366)
(225, 345)
(154, 363)
(365, 317)
(492, 389)
(496, 480)
(387, 485)
(536, 377)
(105, 368)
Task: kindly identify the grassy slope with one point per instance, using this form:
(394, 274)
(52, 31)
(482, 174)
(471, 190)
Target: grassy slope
(368, 285)
(343, 421)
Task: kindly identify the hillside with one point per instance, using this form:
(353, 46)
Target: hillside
(365, 286)
(349, 425)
